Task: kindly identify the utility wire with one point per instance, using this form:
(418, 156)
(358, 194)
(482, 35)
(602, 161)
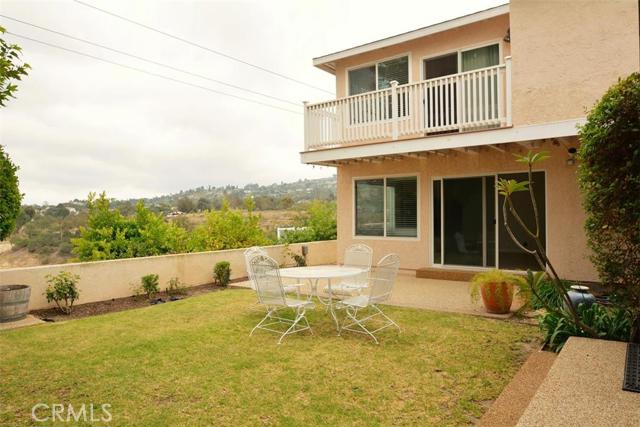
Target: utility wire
(140, 70)
(216, 52)
(160, 64)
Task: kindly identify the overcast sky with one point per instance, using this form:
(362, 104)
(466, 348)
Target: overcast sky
(81, 125)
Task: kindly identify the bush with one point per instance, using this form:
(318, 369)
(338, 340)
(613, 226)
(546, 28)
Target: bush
(318, 223)
(609, 176)
(229, 229)
(150, 285)
(63, 290)
(610, 323)
(546, 295)
(175, 287)
(222, 273)
(10, 196)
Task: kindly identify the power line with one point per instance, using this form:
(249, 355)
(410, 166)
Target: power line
(151, 61)
(140, 70)
(216, 52)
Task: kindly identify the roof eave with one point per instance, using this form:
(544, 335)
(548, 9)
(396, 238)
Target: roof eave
(327, 62)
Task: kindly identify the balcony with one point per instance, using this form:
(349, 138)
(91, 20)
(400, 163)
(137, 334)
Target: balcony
(473, 100)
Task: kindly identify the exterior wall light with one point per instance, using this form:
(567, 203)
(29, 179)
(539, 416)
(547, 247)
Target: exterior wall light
(572, 156)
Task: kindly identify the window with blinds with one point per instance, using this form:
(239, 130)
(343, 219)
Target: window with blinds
(402, 207)
(394, 69)
(362, 80)
(386, 207)
(378, 76)
(369, 207)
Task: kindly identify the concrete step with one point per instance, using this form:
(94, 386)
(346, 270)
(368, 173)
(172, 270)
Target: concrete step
(514, 399)
(445, 274)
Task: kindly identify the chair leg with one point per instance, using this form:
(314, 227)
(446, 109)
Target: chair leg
(268, 316)
(387, 317)
(352, 313)
(299, 315)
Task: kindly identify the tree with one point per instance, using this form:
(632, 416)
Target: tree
(110, 235)
(11, 69)
(203, 204)
(10, 196)
(229, 229)
(317, 223)
(185, 204)
(507, 188)
(609, 177)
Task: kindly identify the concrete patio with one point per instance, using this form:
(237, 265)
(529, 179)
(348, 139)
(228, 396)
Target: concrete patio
(433, 294)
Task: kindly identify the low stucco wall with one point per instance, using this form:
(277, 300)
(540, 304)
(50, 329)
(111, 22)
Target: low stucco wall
(104, 280)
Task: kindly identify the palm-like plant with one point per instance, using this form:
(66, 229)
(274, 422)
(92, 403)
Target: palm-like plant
(506, 188)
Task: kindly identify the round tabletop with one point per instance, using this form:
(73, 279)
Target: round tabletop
(320, 272)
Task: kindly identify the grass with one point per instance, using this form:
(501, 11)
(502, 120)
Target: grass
(191, 362)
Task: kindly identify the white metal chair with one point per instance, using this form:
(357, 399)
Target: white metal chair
(360, 256)
(271, 294)
(381, 282)
(255, 250)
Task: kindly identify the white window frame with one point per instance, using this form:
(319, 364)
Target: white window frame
(375, 63)
(431, 236)
(415, 175)
(459, 52)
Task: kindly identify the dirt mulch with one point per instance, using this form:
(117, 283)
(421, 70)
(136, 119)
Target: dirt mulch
(121, 304)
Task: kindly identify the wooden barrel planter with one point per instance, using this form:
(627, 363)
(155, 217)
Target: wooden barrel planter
(14, 302)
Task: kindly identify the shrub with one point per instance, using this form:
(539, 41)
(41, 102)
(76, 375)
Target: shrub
(63, 290)
(546, 294)
(318, 223)
(610, 323)
(10, 196)
(609, 176)
(175, 287)
(150, 285)
(299, 259)
(229, 229)
(222, 273)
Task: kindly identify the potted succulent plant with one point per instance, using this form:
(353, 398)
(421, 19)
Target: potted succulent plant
(497, 289)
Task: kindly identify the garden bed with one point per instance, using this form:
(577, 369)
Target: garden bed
(121, 304)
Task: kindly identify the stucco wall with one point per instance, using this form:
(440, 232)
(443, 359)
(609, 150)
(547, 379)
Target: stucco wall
(104, 280)
(566, 241)
(473, 35)
(567, 53)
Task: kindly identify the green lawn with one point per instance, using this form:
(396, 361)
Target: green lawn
(192, 362)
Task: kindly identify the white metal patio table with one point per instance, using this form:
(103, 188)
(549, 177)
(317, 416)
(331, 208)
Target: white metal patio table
(314, 274)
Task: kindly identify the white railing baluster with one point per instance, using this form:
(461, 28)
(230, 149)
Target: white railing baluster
(463, 101)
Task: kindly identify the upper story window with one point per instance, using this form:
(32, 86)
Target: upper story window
(379, 76)
(461, 61)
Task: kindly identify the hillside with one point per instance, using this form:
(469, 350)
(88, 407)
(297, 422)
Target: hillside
(43, 232)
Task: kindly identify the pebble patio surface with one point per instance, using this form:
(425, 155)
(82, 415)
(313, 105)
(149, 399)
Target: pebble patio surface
(191, 362)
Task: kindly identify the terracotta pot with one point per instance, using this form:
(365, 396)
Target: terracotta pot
(497, 297)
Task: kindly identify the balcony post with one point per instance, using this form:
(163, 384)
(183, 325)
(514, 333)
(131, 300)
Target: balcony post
(394, 110)
(306, 126)
(507, 71)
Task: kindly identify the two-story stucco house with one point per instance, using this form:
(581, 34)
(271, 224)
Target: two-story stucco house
(426, 121)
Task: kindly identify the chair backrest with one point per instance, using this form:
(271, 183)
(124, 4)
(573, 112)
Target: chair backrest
(383, 278)
(248, 254)
(358, 255)
(266, 276)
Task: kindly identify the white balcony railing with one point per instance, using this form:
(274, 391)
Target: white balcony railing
(471, 100)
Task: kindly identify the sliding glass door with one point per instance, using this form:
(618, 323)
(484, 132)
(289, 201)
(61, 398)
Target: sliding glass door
(510, 255)
(466, 225)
